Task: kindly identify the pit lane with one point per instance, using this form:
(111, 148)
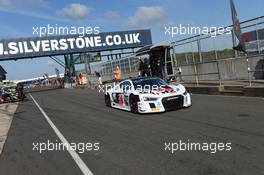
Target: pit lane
(134, 144)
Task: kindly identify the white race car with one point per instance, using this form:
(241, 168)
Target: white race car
(147, 95)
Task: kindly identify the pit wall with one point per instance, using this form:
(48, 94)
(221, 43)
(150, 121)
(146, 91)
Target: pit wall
(241, 68)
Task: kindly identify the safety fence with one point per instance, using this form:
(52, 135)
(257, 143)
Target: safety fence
(209, 47)
(203, 57)
(127, 65)
(240, 68)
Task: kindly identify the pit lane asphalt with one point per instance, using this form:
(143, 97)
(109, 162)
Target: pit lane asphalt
(134, 144)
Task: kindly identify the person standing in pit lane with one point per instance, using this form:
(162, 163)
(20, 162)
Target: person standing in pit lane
(98, 75)
(20, 91)
(144, 68)
(117, 74)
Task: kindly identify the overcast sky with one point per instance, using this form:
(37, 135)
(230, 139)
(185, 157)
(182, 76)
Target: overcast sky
(19, 17)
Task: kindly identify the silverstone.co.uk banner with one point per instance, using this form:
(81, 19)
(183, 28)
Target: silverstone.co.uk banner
(65, 44)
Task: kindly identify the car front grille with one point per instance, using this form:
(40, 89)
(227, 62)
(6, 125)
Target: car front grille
(174, 102)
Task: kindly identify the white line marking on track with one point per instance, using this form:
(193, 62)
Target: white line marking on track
(85, 170)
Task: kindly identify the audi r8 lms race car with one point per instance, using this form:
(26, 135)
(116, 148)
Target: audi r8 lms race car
(147, 95)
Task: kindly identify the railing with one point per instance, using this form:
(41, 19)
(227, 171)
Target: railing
(127, 64)
(199, 50)
(205, 51)
(204, 48)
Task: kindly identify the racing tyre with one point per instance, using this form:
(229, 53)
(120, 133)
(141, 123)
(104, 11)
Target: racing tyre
(133, 102)
(107, 100)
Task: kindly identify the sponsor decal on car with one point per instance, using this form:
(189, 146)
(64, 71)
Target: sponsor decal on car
(155, 109)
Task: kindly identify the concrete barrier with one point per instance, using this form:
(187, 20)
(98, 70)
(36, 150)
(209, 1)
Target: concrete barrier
(254, 91)
(217, 90)
(213, 90)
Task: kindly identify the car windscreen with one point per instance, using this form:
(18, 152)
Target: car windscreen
(150, 82)
(10, 89)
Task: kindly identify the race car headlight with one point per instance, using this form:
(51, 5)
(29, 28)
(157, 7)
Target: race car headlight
(150, 99)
